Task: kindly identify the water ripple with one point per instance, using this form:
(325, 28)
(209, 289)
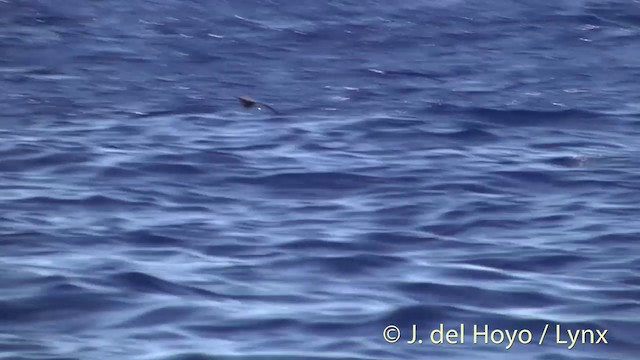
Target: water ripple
(451, 162)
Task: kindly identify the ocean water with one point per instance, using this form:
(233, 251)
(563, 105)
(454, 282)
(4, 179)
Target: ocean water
(458, 163)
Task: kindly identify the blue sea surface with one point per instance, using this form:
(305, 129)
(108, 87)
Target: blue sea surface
(432, 163)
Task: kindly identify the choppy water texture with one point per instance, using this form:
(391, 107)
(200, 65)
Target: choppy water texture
(456, 162)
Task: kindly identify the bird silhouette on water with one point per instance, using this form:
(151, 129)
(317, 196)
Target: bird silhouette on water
(248, 102)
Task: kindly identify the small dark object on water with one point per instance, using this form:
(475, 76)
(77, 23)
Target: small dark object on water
(248, 102)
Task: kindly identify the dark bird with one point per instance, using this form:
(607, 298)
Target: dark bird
(248, 102)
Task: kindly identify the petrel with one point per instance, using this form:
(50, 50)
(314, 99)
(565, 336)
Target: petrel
(248, 102)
